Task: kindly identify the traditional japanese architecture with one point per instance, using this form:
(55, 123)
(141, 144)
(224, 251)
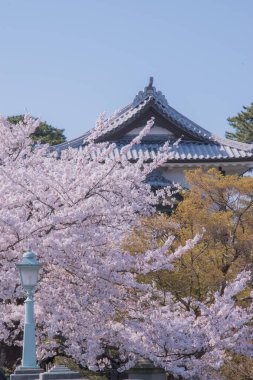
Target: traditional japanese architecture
(197, 148)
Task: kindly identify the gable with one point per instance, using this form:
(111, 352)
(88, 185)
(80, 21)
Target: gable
(155, 130)
(163, 126)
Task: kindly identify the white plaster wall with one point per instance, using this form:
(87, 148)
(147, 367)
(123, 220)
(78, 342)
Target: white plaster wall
(177, 173)
(154, 131)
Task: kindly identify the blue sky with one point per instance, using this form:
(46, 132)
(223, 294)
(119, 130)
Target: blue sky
(66, 61)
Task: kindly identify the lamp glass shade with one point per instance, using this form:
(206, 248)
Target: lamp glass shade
(29, 275)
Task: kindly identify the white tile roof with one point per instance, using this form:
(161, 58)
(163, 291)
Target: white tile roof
(183, 152)
(209, 147)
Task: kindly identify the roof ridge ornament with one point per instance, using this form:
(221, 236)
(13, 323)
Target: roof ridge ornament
(150, 91)
(150, 85)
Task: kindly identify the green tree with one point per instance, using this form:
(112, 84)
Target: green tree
(45, 133)
(243, 125)
(223, 206)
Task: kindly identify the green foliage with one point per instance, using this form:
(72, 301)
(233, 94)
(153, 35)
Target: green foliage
(243, 125)
(223, 206)
(237, 368)
(45, 133)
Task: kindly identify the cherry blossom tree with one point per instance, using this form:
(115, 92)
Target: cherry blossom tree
(74, 208)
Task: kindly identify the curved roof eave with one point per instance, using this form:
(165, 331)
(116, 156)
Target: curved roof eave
(142, 101)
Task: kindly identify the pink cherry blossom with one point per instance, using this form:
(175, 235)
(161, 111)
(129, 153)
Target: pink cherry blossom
(74, 210)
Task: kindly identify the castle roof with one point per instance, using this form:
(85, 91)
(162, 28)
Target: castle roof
(197, 144)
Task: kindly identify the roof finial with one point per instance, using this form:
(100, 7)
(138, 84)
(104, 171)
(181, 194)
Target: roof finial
(151, 80)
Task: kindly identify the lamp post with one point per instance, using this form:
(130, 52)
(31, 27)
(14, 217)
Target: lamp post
(28, 269)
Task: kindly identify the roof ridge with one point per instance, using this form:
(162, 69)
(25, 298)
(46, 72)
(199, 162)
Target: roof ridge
(140, 101)
(77, 139)
(117, 114)
(188, 123)
(233, 143)
(150, 92)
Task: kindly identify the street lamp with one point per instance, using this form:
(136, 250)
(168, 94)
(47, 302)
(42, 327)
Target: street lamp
(29, 269)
